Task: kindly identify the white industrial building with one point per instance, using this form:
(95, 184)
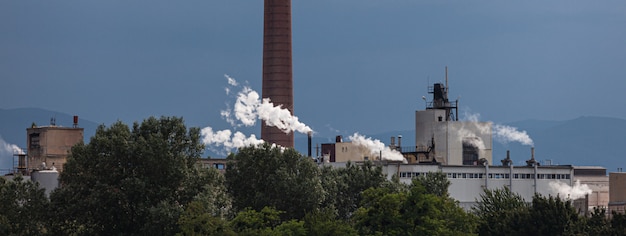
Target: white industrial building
(463, 151)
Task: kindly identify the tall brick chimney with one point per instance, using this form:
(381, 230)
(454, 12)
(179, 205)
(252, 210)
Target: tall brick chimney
(277, 67)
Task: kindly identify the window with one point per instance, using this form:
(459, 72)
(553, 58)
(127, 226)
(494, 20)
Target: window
(470, 151)
(34, 140)
(219, 166)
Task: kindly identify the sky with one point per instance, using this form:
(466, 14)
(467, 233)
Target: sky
(359, 65)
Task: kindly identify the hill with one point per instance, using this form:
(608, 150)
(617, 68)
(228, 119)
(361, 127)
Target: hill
(598, 141)
(595, 141)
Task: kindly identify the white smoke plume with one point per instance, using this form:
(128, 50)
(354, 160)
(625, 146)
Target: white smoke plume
(507, 134)
(503, 133)
(9, 149)
(376, 147)
(227, 140)
(249, 108)
(565, 191)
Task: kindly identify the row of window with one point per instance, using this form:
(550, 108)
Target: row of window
(490, 175)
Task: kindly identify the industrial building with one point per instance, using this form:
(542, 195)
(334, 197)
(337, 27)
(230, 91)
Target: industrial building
(463, 151)
(617, 192)
(49, 146)
(47, 150)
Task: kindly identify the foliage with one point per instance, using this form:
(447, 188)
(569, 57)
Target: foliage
(267, 176)
(130, 181)
(500, 212)
(381, 213)
(597, 223)
(429, 213)
(251, 222)
(343, 186)
(416, 212)
(553, 216)
(435, 183)
(23, 207)
(618, 224)
(325, 222)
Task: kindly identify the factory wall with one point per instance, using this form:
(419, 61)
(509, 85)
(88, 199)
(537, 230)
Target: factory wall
(449, 136)
(617, 192)
(468, 182)
(51, 144)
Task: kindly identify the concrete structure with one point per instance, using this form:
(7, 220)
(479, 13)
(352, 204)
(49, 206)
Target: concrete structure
(617, 192)
(469, 182)
(440, 137)
(49, 146)
(595, 177)
(277, 65)
(218, 164)
(47, 179)
(453, 142)
(346, 151)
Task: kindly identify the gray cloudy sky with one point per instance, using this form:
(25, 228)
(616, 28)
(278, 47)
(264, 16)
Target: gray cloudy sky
(359, 65)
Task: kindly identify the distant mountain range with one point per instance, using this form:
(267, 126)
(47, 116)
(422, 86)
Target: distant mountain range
(596, 141)
(589, 141)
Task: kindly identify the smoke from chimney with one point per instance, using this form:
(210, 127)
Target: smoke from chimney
(7, 148)
(503, 133)
(376, 147)
(564, 191)
(247, 110)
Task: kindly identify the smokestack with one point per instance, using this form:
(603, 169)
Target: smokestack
(532, 153)
(508, 154)
(309, 142)
(277, 65)
(400, 142)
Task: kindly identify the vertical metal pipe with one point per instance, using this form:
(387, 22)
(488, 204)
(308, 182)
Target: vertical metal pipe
(309, 139)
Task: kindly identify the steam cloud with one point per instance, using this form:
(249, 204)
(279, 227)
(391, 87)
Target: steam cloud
(504, 133)
(507, 134)
(376, 147)
(248, 108)
(565, 191)
(226, 139)
(7, 148)
(6, 153)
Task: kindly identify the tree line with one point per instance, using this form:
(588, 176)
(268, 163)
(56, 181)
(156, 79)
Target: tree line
(145, 180)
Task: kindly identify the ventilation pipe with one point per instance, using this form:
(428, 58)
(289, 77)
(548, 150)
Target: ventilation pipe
(309, 139)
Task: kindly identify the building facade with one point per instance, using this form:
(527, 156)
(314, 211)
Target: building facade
(49, 146)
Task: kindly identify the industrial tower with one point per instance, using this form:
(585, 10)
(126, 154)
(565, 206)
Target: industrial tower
(277, 67)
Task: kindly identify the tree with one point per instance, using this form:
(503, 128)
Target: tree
(129, 181)
(597, 223)
(618, 224)
(207, 214)
(432, 212)
(435, 183)
(553, 216)
(381, 213)
(500, 212)
(251, 222)
(23, 207)
(343, 186)
(413, 212)
(268, 176)
(325, 222)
